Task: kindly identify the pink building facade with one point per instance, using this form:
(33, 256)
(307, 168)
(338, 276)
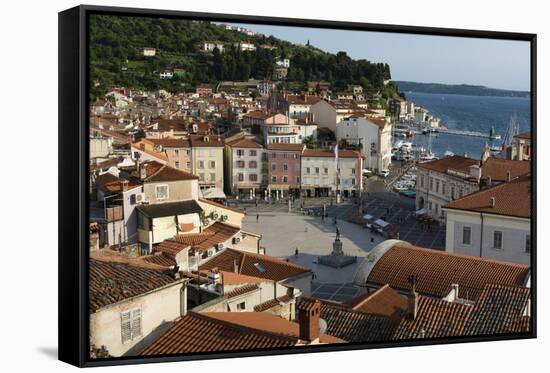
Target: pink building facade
(284, 169)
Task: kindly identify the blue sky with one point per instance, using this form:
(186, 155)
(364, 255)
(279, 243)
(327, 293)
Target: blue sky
(429, 59)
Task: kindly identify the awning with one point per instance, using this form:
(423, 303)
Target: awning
(381, 223)
(213, 193)
(368, 217)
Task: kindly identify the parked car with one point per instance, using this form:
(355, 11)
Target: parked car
(384, 173)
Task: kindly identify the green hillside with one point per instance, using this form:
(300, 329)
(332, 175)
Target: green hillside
(115, 58)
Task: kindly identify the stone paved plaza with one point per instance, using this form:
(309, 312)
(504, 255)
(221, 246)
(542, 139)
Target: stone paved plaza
(283, 232)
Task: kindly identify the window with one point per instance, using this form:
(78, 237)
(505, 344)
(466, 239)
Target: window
(212, 164)
(295, 155)
(285, 155)
(443, 188)
(273, 167)
(285, 167)
(241, 306)
(161, 192)
(252, 153)
(466, 236)
(253, 177)
(437, 186)
(317, 170)
(422, 181)
(352, 181)
(297, 167)
(240, 177)
(240, 164)
(430, 206)
(326, 170)
(528, 243)
(460, 193)
(297, 179)
(273, 155)
(253, 164)
(497, 240)
(188, 152)
(431, 183)
(212, 177)
(308, 170)
(353, 171)
(176, 152)
(201, 164)
(240, 152)
(201, 176)
(188, 164)
(273, 179)
(452, 192)
(130, 325)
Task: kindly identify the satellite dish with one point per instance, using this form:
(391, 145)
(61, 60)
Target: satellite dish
(322, 326)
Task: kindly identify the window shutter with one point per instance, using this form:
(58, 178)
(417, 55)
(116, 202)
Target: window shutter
(125, 326)
(136, 323)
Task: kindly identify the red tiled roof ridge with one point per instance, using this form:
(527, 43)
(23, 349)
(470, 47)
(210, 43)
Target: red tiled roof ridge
(209, 316)
(462, 256)
(269, 258)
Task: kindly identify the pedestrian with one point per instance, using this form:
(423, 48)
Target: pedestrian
(257, 218)
(296, 252)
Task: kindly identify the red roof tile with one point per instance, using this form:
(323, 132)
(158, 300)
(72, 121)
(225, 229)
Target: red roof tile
(455, 162)
(510, 199)
(438, 270)
(207, 332)
(245, 143)
(256, 265)
(498, 169)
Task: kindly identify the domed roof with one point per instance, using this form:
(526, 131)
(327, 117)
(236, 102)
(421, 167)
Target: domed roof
(366, 266)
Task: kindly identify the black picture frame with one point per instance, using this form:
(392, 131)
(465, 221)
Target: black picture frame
(73, 178)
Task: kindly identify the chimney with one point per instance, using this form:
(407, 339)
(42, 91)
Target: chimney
(475, 172)
(493, 201)
(454, 293)
(235, 266)
(508, 176)
(308, 316)
(412, 298)
(142, 172)
(124, 185)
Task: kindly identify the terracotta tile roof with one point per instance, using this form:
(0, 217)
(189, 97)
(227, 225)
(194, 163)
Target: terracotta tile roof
(241, 290)
(455, 162)
(232, 278)
(167, 173)
(207, 333)
(257, 114)
(330, 154)
(245, 143)
(499, 309)
(272, 303)
(354, 326)
(256, 265)
(164, 125)
(266, 322)
(435, 318)
(524, 135)
(286, 147)
(511, 199)
(171, 248)
(384, 302)
(112, 282)
(214, 234)
(438, 270)
(380, 122)
(302, 99)
(214, 141)
(498, 168)
(161, 259)
(171, 143)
